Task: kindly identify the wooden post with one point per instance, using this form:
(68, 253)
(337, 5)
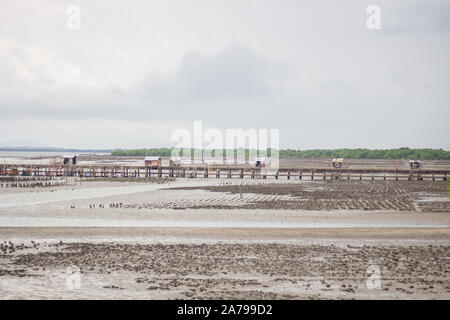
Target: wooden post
(276, 176)
(229, 174)
(324, 176)
(312, 175)
(289, 175)
(300, 175)
(253, 174)
(205, 172)
(242, 174)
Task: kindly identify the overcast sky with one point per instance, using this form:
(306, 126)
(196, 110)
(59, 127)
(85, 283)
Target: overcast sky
(137, 70)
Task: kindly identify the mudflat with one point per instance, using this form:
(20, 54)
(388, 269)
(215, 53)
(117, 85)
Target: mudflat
(201, 263)
(208, 239)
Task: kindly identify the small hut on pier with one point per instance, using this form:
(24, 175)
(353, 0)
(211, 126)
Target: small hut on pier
(152, 161)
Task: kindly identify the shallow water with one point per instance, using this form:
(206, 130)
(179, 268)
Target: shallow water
(33, 198)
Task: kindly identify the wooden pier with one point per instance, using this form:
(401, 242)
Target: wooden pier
(220, 172)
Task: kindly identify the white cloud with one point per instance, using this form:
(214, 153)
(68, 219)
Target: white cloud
(36, 68)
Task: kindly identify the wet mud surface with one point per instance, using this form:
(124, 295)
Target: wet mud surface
(233, 271)
(338, 195)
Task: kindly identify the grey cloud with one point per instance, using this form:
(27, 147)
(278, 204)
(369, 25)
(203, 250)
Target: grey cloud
(236, 72)
(429, 18)
(202, 83)
(312, 69)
